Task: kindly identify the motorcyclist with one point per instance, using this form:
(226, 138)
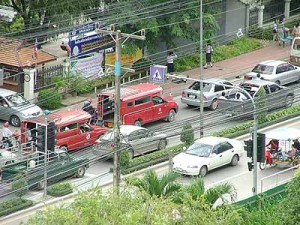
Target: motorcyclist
(87, 106)
(6, 134)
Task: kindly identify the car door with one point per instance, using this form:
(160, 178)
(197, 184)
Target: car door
(159, 108)
(138, 141)
(4, 109)
(227, 152)
(219, 88)
(277, 97)
(216, 158)
(282, 75)
(293, 73)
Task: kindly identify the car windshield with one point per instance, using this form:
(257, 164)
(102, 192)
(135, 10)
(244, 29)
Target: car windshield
(199, 149)
(263, 69)
(196, 86)
(16, 100)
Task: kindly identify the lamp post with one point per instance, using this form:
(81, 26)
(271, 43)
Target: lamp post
(201, 71)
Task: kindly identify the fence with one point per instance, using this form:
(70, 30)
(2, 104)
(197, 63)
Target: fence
(44, 76)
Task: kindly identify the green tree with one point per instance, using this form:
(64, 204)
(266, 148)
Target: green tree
(196, 191)
(261, 104)
(152, 184)
(187, 134)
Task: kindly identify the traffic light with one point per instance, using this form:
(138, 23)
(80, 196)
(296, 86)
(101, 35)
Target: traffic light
(261, 145)
(51, 134)
(249, 148)
(40, 138)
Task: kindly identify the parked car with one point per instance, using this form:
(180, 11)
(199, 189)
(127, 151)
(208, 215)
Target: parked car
(212, 89)
(276, 97)
(137, 140)
(15, 108)
(277, 71)
(206, 154)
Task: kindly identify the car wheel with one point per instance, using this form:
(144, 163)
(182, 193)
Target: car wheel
(277, 82)
(41, 185)
(171, 115)
(15, 121)
(138, 123)
(289, 101)
(263, 165)
(234, 160)
(162, 144)
(80, 172)
(203, 171)
(214, 104)
(64, 148)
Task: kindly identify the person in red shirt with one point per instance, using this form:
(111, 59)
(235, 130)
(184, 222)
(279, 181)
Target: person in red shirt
(273, 145)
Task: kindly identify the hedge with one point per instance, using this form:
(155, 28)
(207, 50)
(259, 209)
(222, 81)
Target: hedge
(60, 189)
(151, 159)
(231, 132)
(13, 205)
(49, 99)
(222, 52)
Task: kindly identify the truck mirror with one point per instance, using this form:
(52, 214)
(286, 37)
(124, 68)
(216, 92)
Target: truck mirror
(32, 164)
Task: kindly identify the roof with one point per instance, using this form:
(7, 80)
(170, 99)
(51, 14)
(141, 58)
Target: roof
(130, 92)
(13, 53)
(258, 82)
(210, 140)
(62, 117)
(127, 129)
(272, 62)
(6, 92)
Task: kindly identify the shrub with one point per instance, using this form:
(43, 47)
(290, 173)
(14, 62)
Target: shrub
(187, 134)
(19, 185)
(49, 98)
(124, 159)
(13, 205)
(60, 189)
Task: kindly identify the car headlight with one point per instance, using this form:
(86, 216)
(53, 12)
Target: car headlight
(192, 167)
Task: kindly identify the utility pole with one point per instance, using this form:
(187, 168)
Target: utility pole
(117, 122)
(201, 72)
(45, 161)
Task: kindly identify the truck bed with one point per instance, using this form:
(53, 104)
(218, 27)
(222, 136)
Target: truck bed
(233, 107)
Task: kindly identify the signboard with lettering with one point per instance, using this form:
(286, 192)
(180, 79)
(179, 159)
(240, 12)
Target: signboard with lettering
(88, 67)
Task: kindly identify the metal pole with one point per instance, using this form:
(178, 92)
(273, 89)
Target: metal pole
(116, 172)
(254, 189)
(201, 72)
(45, 162)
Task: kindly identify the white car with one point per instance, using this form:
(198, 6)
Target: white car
(206, 154)
(276, 71)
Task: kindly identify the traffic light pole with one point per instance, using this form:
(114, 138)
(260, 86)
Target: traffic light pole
(117, 121)
(45, 162)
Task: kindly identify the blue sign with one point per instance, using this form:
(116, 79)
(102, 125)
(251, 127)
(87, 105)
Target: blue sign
(89, 44)
(157, 74)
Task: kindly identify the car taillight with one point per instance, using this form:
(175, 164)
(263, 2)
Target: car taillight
(183, 94)
(112, 145)
(247, 78)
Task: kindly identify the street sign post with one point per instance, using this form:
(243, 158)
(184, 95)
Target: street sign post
(158, 74)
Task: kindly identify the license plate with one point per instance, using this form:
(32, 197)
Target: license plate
(192, 96)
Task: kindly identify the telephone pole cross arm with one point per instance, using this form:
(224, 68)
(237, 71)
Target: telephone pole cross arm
(117, 122)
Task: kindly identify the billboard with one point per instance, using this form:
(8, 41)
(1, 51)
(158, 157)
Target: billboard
(88, 67)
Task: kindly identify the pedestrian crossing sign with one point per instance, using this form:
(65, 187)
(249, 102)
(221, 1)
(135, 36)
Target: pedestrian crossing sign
(157, 74)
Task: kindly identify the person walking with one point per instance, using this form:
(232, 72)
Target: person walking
(209, 52)
(6, 135)
(170, 61)
(275, 31)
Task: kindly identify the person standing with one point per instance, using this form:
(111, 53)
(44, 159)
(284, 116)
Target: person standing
(275, 31)
(170, 61)
(209, 51)
(6, 134)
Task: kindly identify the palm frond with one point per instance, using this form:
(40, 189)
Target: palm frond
(216, 192)
(196, 188)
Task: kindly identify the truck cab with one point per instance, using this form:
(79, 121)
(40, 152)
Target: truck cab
(139, 104)
(73, 130)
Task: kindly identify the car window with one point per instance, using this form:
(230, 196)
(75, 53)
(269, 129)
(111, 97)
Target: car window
(196, 86)
(274, 88)
(71, 126)
(142, 101)
(133, 136)
(266, 88)
(199, 149)
(85, 128)
(224, 146)
(219, 88)
(3, 102)
(263, 69)
(16, 100)
(282, 68)
(228, 85)
(143, 133)
(157, 100)
(290, 67)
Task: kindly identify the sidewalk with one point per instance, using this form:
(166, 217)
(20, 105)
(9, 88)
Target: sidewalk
(227, 69)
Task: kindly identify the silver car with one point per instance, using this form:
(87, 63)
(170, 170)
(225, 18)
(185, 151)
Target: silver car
(137, 140)
(276, 71)
(212, 90)
(14, 107)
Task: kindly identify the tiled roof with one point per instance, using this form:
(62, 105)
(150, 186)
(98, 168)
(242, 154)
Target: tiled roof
(12, 53)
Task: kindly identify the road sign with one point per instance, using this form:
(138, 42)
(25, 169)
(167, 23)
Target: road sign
(157, 74)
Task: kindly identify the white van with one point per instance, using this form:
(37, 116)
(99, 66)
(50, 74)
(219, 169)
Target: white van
(295, 52)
